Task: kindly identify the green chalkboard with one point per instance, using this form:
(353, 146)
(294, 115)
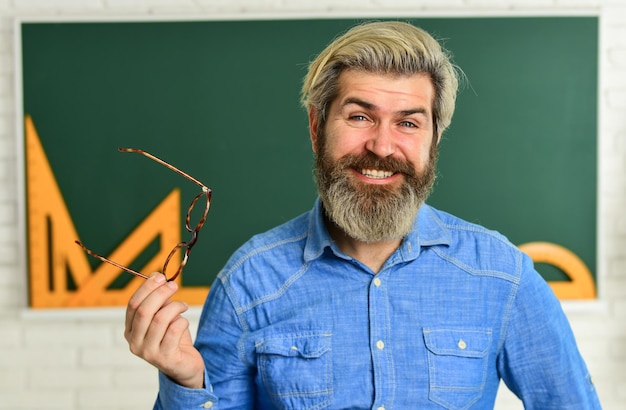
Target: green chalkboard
(220, 100)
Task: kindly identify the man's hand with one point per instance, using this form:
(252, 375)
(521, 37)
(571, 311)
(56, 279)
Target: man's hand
(156, 332)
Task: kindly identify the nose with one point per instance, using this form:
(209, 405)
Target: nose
(381, 142)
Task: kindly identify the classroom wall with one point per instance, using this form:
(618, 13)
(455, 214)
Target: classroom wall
(79, 359)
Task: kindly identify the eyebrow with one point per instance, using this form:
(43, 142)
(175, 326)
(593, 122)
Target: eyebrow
(370, 106)
(359, 102)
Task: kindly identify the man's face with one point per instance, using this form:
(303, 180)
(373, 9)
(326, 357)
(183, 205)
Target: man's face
(375, 156)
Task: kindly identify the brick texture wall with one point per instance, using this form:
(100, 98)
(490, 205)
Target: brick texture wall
(79, 360)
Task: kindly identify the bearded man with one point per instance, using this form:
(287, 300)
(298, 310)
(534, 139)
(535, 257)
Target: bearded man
(373, 299)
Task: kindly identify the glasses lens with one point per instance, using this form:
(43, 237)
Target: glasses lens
(176, 261)
(198, 210)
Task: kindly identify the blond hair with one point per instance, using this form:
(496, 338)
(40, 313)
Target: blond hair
(383, 47)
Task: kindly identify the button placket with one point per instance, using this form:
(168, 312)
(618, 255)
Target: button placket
(380, 342)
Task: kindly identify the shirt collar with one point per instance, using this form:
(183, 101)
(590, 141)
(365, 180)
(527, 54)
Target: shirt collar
(318, 237)
(428, 230)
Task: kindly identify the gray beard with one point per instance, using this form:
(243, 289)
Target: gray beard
(372, 213)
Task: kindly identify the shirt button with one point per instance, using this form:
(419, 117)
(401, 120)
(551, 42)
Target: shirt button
(380, 345)
(381, 408)
(208, 405)
(377, 282)
(462, 345)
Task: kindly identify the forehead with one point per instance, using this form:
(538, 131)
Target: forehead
(394, 89)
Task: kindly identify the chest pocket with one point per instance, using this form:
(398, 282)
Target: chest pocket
(457, 365)
(296, 370)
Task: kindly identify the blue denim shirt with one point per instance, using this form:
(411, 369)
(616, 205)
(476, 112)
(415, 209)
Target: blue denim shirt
(291, 322)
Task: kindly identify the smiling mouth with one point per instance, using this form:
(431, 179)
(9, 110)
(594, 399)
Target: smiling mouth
(376, 173)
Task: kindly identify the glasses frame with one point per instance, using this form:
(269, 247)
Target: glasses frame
(206, 193)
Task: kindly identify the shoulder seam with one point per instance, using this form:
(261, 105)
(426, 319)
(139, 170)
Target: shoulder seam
(223, 276)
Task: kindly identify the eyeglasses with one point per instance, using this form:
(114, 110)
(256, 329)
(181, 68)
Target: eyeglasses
(206, 193)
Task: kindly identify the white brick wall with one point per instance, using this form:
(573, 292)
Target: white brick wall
(79, 360)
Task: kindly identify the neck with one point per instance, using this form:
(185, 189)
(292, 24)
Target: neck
(371, 254)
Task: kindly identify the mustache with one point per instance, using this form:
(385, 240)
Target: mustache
(373, 161)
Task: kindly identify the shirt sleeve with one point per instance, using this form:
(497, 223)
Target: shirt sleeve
(174, 396)
(540, 361)
(220, 340)
(229, 379)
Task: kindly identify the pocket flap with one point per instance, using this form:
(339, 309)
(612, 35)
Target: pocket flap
(306, 346)
(458, 342)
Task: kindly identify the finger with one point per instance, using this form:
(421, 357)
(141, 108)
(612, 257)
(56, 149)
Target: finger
(160, 329)
(177, 334)
(145, 313)
(155, 281)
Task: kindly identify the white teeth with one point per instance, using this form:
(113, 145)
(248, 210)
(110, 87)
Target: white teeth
(375, 173)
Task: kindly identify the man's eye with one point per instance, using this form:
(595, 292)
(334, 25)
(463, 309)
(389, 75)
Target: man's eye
(358, 117)
(408, 124)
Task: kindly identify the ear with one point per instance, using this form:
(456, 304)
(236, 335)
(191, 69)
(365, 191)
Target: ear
(436, 131)
(313, 127)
